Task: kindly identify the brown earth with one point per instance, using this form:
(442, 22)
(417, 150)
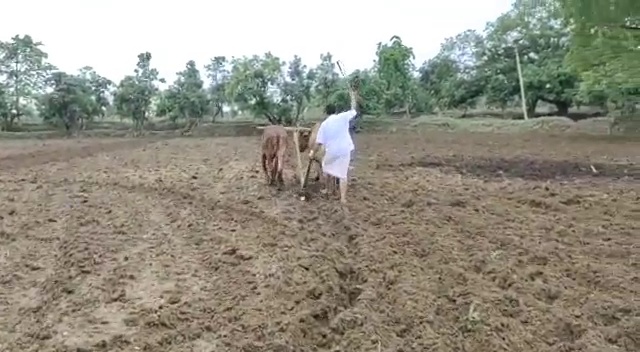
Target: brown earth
(451, 242)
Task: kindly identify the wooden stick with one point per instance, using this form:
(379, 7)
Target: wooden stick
(341, 69)
(296, 142)
(306, 175)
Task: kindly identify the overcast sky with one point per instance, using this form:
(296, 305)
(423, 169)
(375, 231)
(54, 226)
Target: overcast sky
(108, 35)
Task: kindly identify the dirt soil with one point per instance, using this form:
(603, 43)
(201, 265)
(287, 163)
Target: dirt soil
(451, 242)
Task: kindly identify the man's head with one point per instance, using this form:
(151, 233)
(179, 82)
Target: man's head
(329, 109)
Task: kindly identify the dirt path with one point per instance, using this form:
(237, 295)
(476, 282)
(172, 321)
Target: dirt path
(178, 245)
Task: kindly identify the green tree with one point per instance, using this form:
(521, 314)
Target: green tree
(5, 107)
(218, 73)
(101, 92)
(186, 98)
(394, 66)
(23, 71)
(297, 87)
(135, 93)
(605, 51)
(538, 31)
(101, 89)
(371, 90)
(253, 85)
(439, 77)
(451, 78)
(71, 101)
(327, 80)
(260, 85)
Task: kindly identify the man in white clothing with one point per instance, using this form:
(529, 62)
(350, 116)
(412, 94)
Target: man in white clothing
(335, 136)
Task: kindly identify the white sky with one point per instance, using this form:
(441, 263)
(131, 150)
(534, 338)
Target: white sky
(108, 35)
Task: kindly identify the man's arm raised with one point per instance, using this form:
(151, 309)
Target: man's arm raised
(350, 114)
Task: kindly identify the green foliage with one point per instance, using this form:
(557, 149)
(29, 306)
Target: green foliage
(260, 85)
(327, 81)
(5, 108)
(101, 90)
(218, 73)
(571, 52)
(186, 98)
(452, 78)
(135, 93)
(72, 101)
(605, 50)
(541, 37)
(394, 68)
(23, 73)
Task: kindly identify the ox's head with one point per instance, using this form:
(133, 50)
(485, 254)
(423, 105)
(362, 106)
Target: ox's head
(304, 137)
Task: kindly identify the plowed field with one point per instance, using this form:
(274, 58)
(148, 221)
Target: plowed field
(450, 242)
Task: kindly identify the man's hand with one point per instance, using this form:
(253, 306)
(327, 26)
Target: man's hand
(354, 86)
(311, 154)
(354, 99)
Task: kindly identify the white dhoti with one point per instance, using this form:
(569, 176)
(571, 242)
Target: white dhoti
(336, 165)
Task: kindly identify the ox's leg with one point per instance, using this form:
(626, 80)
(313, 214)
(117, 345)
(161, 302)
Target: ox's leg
(274, 170)
(280, 167)
(265, 168)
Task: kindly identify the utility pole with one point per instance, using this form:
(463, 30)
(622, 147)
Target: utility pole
(522, 94)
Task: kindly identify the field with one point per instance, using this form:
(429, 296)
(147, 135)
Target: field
(451, 242)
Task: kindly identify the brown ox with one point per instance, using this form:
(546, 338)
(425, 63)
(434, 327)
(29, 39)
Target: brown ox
(274, 147)
(307, 141)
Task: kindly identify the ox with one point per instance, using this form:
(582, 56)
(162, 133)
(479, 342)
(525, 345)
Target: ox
(307, 140)
(274, 147)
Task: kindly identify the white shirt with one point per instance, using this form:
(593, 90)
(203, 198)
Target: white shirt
(334, 133)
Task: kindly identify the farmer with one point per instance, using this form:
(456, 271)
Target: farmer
(335, 136)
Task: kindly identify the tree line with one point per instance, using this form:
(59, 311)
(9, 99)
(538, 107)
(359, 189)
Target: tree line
(571, 53)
